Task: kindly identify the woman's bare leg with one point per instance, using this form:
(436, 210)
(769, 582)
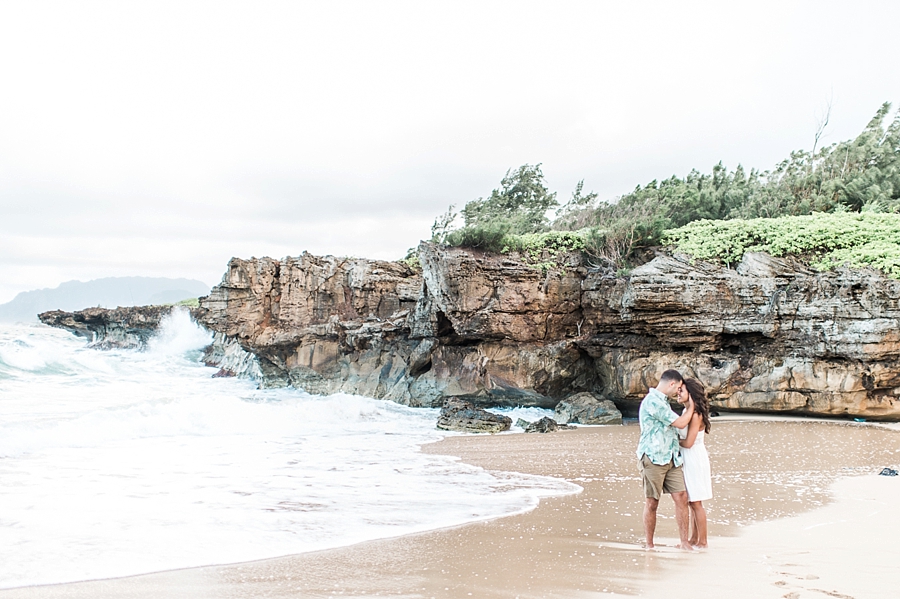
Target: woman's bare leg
(693, 539)
(698, 524)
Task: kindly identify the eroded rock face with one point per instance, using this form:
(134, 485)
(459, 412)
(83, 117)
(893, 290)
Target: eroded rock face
(231, 359)
(466, 325)
(767, 336)
(324, 324)
(770, 335)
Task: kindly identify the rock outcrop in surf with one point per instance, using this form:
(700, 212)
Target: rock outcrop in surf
(105, 328)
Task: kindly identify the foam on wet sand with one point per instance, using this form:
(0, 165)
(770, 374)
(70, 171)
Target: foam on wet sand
(798, 513)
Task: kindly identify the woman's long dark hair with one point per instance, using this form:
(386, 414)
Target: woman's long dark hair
(701, 404)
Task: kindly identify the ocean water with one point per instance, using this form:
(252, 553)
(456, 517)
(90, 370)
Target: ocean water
(125, 462)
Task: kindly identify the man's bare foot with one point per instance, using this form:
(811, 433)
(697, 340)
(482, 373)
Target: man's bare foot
(684, 546)
(649, 546)
(699, 546)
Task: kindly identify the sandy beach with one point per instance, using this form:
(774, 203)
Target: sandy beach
(799, 512)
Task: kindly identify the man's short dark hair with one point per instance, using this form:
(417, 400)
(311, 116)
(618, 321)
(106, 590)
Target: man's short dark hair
(671, 375)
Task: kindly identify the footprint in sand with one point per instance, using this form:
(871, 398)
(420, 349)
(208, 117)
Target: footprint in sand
(833, 594)
(798, 577)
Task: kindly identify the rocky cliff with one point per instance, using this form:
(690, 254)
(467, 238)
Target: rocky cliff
(767, 336)
(495, 331)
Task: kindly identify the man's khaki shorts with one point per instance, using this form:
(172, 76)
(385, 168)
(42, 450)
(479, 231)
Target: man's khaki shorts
(660, 479)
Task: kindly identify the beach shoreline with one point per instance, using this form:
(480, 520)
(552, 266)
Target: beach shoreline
(799, 478)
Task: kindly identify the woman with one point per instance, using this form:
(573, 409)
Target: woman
(697, 476)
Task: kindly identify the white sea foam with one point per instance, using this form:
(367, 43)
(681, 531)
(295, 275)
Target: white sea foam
(526, 414)
(121, 462)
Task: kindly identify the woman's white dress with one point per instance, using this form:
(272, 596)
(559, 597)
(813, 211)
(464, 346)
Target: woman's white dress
(697, 477)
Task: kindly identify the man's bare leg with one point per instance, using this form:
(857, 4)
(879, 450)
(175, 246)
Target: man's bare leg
(682, 518)
(650, 520)
(698, 513)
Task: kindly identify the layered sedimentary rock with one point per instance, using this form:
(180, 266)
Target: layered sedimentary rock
(467, 325)
(768, 336)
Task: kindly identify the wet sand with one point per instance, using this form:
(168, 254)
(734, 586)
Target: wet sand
(798, 513)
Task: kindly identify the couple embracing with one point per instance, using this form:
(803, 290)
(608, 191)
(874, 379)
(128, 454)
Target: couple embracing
(672, 456)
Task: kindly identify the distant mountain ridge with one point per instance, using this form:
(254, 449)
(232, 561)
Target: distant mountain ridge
(109, 292)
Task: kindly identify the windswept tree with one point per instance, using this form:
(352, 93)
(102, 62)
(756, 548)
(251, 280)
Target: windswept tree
(567, 219)
(522, 201)
(520, 205)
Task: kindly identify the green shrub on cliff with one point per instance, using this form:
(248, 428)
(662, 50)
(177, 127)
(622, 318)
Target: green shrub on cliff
(861, 174)
(412, 259)
(544, 250)
(825, 240)
(192, 302)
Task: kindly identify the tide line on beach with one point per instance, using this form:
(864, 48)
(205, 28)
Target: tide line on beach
(795, 515)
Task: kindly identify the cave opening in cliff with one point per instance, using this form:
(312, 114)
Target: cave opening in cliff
(448, 335)
(444, 326)
(420, 368)
(739, 343)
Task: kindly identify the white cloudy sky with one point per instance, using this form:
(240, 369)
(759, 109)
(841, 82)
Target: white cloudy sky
(162, 138)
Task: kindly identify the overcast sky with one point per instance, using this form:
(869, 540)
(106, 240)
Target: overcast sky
(161, 139)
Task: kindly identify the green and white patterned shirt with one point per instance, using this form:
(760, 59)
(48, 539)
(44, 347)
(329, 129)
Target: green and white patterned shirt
(659, 439)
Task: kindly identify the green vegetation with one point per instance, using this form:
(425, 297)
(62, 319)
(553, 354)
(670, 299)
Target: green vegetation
(825, 240)
(411, 260)
(192, 302)
(518, 207)
(861, 175)
(544, 250)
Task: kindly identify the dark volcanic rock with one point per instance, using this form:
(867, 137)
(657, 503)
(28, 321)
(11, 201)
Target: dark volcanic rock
(462, 416)
(119, 328)
(587, 408)
(544, 425)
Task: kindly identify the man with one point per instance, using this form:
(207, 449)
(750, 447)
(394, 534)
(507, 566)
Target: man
(659, 455)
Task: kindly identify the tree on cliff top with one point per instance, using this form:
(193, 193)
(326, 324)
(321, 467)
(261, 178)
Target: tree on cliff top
(519, 206)
(522, 200)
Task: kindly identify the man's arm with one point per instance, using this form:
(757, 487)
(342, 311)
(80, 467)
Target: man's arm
(685, 418)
